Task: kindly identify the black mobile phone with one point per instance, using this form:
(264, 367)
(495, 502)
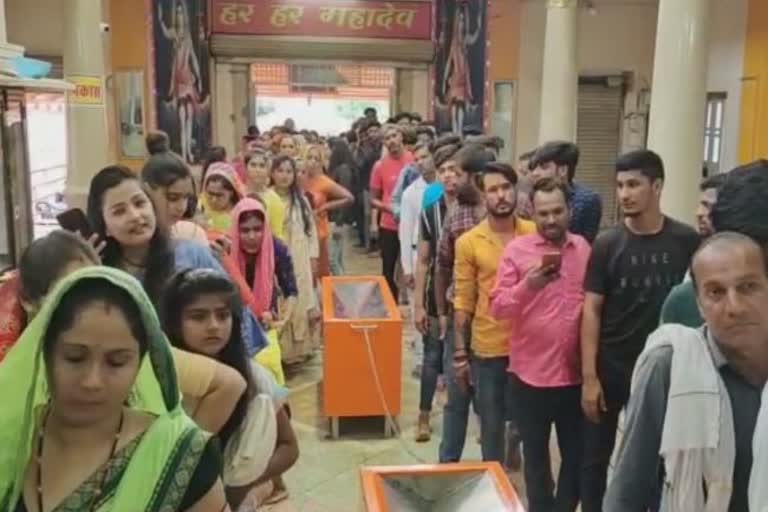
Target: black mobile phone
(75, 220)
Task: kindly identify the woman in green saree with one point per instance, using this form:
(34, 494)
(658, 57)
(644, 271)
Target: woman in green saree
(94, 424)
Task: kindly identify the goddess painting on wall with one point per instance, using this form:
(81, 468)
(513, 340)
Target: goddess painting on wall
(460, 65)
(181, 60)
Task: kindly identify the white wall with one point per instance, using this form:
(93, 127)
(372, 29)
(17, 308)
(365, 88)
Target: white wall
(38, 25)
(726, 64)
(618, 37)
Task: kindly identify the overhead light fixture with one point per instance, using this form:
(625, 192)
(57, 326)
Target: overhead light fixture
(591, 9)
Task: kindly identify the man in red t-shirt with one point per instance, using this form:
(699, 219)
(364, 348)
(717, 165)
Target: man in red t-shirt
(383, 182)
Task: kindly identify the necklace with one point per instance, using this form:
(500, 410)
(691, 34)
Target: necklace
(41, 442)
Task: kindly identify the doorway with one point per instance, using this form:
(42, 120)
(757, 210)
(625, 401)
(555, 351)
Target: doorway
(15, 213)
(47, 136)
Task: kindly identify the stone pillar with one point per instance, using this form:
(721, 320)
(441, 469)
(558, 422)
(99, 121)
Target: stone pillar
(560, 76)
(87, 128)
(678, 101)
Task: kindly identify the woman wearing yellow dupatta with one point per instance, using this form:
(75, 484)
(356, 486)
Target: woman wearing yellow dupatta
(94, 425)
(221, 191)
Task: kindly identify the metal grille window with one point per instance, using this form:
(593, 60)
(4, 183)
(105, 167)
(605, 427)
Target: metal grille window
(713, 131)
(264, 73)
(328, 75)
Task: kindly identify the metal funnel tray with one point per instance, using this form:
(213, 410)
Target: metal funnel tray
(443, 488)
(359, 300)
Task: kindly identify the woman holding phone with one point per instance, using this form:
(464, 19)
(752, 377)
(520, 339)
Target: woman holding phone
(122, 215)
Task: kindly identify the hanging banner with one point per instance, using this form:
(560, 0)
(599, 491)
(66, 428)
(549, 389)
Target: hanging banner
(324, 18)
(182, 76)
(460, 66)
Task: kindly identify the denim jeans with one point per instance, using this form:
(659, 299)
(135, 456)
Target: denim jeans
(389, 242)
(336, 250)
(492, 399)
(358, 212)
(431, 367)
(600, 438)
(456, 411)
(536, 409)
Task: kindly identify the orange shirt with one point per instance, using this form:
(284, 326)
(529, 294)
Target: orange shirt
(320, 187)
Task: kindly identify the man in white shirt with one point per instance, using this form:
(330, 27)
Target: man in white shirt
(408, 230)
(410, 210)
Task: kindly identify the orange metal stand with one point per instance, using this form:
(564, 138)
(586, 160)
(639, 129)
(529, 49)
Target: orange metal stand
(349, 386)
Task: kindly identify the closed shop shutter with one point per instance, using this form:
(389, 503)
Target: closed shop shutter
(309, 48)
(599, 139)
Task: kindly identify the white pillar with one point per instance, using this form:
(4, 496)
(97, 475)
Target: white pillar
(87, 128)
(560, 76)
(3, 32)
(678, 101)
(225, 113)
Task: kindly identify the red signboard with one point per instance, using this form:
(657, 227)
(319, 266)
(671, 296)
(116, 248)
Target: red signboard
(323, 18)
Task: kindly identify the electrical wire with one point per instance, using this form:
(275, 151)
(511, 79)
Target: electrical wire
(365, 329)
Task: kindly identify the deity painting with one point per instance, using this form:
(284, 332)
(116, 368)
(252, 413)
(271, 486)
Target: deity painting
(182, 81)
(460, 65)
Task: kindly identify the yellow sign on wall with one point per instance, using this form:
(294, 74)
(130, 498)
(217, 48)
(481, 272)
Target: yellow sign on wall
(89, 90)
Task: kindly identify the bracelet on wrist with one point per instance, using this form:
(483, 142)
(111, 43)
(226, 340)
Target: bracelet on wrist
(460, 358)
(460, 363)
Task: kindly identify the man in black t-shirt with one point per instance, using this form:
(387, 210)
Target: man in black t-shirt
(633, 267)
(367, 154)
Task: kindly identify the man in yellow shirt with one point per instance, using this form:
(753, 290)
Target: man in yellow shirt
(478, 253)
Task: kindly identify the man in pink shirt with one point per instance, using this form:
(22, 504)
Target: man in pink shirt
(383, 181)
(539, 289)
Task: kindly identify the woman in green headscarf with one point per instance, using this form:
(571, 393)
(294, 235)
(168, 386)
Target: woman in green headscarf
(96, 423)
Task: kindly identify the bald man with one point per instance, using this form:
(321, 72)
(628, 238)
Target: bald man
(685, 377)
(740, 207)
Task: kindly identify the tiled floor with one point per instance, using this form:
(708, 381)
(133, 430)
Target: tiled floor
(326, 476)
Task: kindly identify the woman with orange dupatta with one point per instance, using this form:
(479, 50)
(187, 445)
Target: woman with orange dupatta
(328, 196)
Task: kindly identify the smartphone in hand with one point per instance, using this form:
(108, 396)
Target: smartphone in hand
(74, 220)
(552, 260)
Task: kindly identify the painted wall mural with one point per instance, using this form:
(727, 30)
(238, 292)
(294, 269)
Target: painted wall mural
(182, 75)
(460, 65)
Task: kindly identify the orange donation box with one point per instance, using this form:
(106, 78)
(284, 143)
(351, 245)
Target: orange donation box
(363, 349)
(463, 487)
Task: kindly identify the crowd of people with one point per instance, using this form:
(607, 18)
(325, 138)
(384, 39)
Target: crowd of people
(148, 350)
